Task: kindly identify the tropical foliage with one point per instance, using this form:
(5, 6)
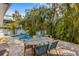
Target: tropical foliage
(15, 22)
(61, 21)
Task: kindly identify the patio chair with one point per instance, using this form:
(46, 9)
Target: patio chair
(4, 53)
(4, 49)
(41, 50)
(28, 50)
(51, 47)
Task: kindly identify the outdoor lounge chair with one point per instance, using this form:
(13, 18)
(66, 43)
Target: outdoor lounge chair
(41, 50)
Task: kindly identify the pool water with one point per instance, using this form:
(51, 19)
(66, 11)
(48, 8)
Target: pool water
(20, 34)
(23, 37)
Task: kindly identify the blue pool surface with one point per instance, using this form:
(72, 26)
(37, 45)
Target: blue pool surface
(23, 37)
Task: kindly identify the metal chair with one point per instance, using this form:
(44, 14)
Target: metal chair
(52, 46)
(4, 53)
(41, 50)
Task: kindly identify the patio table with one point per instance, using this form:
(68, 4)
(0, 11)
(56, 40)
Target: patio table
(37, 41)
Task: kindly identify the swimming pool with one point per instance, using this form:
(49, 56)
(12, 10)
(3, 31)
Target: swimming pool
(23, 37)
(20, 34)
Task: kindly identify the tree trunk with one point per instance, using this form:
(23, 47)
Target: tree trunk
(3, 9)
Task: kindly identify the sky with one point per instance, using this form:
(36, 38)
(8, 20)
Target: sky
(21, 7)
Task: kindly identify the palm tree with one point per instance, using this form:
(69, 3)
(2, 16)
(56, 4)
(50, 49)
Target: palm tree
(15, 22)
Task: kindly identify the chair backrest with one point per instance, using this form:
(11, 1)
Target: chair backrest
(53, 45)
(41, 50)
(2, 52)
